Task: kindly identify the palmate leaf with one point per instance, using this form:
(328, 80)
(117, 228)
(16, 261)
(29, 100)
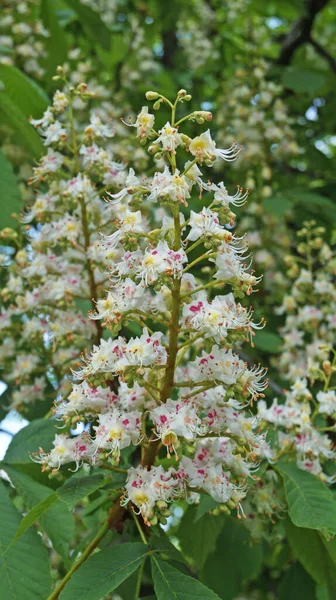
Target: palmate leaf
(171, 584)
(24, 567)
(310, 503)
(104, 572)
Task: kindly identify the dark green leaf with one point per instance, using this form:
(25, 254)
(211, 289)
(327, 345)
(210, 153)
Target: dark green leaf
(297, 585)
(56, 521)
(171, 584)
(24, 567)
(303, 80)
(235, 560)
(309, 548)
(56, 43)
(10, 193)
(198, 537)
(104, 572)
(33, 515)
(92, 24)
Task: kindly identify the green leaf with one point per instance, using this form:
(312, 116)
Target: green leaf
(198, 537)
(24, 131)
(205, 505)
(267, 341)
(171, 584)
(33, 515)
(297, 585)
(92, 24)
(277, 205)
(161, 542)
(10, 193)
(38, 434)
(303, 80)
(104, 572)
(234, 562)
(76, 488)
(56, 521)
(24, 567)
(56, 43)
(310, 549)
(25, 93)
(310, 502)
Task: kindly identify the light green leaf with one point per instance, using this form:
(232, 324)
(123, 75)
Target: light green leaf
(171, 584)
(56, 521)
(38, 434)
(303, 80)
(267, 341)
(76, 488)
(205, 505)
(104, 572)
(235, 560)
(198, 537)
(24, 92)
(310, 502)
(24, 567)
(24, 131)
(11, 196)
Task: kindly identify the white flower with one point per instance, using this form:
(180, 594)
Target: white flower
(54, 133)
(327, 402)
(60, 101)
(117, 430)
(169, 138)
(203, 147)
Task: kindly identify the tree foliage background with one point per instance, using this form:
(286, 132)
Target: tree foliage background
(267, 72)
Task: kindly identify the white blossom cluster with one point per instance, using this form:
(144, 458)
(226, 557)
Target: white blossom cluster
(23, 36)
(57, 258)
(307, 360)
(310, 309)
(178, 389)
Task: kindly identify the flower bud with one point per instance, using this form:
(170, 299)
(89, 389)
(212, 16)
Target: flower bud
(151, 95)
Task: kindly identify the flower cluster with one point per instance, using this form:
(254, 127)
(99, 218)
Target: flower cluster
(307, 416)
(23, 36)
(178, 389)
(310, 309)
(53, 267)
